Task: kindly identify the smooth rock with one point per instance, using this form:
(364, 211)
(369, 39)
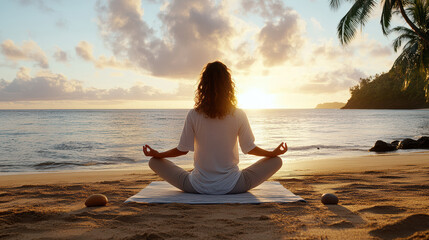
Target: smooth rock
(96, 200)
(329, 198)
(395, 143)
(408, 143)
(423, 142)
(381, 146)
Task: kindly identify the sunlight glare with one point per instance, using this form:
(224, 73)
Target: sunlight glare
(255, 99)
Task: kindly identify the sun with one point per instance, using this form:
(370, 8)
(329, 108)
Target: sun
(255, 99)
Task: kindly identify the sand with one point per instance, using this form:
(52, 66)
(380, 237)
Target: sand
(382, 196)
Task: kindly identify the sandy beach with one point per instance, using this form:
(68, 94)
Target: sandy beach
(382, 196)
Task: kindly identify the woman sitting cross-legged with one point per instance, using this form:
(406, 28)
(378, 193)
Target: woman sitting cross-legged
(211, 131)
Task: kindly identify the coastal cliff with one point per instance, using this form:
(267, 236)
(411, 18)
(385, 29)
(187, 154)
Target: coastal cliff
(387, 91)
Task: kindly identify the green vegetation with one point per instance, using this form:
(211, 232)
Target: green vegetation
(361, 11)
(387, 91)
(406, 85)
(414, 59)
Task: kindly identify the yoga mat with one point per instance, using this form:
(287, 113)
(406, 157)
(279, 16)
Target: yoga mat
(163, 192)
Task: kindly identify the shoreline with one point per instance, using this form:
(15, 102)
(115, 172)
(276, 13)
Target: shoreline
(142, 164)
(289, 169)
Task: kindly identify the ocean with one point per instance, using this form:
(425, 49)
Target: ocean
(59, 140)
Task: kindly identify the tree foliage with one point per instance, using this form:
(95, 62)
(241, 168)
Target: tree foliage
(414, 59)
(412, 65)
(361, 10)
(387, 91)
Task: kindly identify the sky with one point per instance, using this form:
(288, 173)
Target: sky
(114, 54)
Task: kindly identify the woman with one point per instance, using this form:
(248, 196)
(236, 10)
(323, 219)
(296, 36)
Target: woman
(211, 130)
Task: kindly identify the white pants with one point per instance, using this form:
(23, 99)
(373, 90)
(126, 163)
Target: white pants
(250, 177)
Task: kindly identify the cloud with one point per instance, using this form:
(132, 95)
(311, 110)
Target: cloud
(359, 49)
(380, 51)
(280, 41)
(28, 51)
(40, 4)
(332, 82)
(316, 24)
(328, 52)
(48, 86)
(84, 50)
(365, 45)
(282, 35)
(268, 9)
(23, 73)
(45, 86)
(112, 62)
(194, 33)
(61, 23)
(60, 55)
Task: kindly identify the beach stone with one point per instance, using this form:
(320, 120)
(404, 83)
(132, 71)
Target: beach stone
(423, 142)
(96, 200)
(329, 198)
(381, 146)
(408, 143)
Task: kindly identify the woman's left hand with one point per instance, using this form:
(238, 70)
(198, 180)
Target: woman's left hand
(150, 152)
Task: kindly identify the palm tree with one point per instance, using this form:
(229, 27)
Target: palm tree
(360, 12)
(414, 59)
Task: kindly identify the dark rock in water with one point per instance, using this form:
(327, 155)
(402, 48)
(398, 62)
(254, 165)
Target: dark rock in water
(395, 143)
(408, 143)
(329, 198)
(381, 146)
(423, 142)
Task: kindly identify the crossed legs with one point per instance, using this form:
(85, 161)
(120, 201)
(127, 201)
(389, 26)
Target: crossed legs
(257, 173)
(172, 173)
(250, 177)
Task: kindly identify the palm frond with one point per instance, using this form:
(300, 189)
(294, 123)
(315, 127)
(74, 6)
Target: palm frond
(335, 4)
(397, 43)
(386, 15)
(357, 16)
(404, 30)
(366, 9)
(419, 13)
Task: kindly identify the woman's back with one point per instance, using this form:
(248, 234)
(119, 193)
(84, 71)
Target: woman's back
(214, 142)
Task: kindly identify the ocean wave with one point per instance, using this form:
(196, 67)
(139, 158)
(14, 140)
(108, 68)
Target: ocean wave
(321, 147)
(51, 154)
(51, 164)
(103, 161)
(309, 147)
(119, 159)
(73, 145)
(16, 133)
(54, 165)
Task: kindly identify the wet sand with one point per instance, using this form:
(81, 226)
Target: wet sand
(381, 197)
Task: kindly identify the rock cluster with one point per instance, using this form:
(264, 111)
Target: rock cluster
(407, 143)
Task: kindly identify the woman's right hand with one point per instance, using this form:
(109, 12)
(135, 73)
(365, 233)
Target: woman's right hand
(281, 149)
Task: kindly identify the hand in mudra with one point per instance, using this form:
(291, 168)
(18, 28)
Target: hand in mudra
(150, 152)
(281, 149)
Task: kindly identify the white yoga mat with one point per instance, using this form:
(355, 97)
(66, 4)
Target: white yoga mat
(163, 192)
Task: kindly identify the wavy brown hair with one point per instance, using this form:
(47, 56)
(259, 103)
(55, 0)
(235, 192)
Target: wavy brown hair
(215, 94)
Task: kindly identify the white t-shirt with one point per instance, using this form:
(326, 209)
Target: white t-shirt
(214, 142)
